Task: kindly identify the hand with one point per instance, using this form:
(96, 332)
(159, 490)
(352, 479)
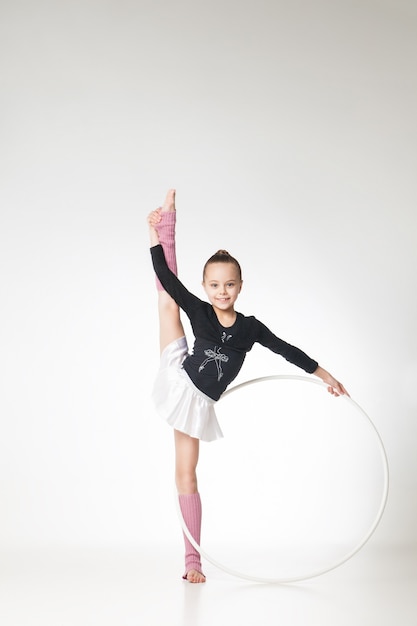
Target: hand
(154, 218)
(334, 386)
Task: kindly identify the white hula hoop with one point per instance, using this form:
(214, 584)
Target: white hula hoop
(351, 553)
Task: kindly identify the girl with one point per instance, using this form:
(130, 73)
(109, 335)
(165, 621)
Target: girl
(188, 385)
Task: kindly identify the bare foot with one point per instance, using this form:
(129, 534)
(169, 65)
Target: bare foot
(193, 576)
(169, 204)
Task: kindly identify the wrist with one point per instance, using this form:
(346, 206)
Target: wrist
(153, 234)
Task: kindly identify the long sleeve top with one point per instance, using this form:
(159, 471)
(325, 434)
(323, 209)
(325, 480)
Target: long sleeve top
(218, 352)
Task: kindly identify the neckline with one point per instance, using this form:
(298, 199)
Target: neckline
(226, 327)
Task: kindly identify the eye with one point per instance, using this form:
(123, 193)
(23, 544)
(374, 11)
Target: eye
(230, 284)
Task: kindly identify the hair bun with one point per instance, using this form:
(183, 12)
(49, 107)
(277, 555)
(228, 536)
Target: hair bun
(223, 252)
(223, 256)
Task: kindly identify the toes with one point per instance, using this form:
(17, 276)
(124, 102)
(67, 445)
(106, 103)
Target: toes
(193, 576)
(169, 204)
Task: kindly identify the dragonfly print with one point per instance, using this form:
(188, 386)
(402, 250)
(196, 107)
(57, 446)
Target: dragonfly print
(216, 356)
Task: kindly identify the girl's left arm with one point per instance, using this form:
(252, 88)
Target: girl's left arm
(334, 386)
(296, 356)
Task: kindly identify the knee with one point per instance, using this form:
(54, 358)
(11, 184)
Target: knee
(186, 482)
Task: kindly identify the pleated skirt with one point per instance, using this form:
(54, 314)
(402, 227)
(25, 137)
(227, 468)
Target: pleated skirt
(178, 401)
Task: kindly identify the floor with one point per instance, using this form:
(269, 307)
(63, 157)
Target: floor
(377, 587)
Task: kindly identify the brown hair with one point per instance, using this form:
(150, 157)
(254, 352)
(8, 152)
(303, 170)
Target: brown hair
(222, 256)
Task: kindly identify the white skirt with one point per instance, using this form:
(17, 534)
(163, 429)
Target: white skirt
(177, 399)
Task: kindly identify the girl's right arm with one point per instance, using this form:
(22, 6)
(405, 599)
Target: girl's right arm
(186, 300)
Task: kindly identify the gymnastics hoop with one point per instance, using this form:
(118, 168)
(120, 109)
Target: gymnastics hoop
(350, 554)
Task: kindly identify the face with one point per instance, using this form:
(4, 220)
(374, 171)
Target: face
(222, 285)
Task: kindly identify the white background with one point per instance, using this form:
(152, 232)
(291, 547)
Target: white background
(289, 132)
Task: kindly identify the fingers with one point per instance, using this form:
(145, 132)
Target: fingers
(340, 390)
(337, 389)
(154, 217)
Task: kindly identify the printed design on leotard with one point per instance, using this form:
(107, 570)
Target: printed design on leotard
(216, 356)
(225, 337)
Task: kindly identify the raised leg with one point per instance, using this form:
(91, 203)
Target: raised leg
(162, 230)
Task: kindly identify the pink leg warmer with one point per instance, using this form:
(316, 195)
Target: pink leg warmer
(166, 233)
(190, 505)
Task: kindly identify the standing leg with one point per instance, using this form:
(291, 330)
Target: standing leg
(187, 451)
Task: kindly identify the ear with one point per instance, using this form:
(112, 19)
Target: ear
(241, 285)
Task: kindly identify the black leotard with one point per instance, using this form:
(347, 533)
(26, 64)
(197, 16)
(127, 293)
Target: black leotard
(219, 352)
